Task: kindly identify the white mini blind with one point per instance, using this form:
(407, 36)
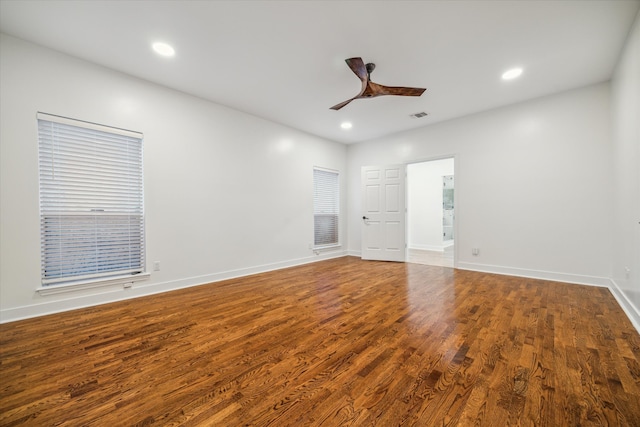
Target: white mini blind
(91, 200)
(326, 207)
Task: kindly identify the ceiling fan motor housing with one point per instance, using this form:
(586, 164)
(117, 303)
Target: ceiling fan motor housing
(370, 67)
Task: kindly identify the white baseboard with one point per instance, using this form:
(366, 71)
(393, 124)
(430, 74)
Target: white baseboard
(630, 310)
(627, 306)
(536, 274)
(118, 293)
(436, 248)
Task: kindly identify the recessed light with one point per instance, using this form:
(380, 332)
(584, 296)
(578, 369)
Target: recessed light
(163, 49)
(346, 125)
(511, 74)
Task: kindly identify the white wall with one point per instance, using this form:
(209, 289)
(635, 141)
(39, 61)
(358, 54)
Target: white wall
(625, 107)
(226, 193)
(424, 203)
(533, 184)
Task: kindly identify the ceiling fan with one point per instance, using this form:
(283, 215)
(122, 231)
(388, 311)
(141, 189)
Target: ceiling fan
(371, 89)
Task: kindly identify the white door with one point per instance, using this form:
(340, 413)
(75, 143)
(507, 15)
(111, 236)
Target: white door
(383, 213)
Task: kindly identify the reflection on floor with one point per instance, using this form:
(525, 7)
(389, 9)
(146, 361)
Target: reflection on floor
(420, 256)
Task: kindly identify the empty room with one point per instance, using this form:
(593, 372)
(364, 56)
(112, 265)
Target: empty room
(320, 213)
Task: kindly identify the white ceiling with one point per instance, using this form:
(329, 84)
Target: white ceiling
(284, 60)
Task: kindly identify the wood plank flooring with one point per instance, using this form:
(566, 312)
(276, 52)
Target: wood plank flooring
(441, 259)
(342, 342)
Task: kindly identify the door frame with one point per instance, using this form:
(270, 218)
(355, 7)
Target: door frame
(456, 202)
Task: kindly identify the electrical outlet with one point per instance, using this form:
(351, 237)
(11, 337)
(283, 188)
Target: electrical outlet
(627, 272)
(475, 251)
(156, 266)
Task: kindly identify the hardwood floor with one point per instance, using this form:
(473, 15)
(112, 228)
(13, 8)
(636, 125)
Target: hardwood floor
(343, 342)
(421, 256)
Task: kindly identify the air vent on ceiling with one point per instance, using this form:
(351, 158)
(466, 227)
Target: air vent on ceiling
(419, 115)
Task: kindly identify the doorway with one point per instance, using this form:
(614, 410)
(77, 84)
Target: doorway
(431, 212)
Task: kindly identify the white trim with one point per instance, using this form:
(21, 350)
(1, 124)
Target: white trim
(88, 125)
(630, 310)
(604, 282)
(25, 312)
(536, 274)
(125, 293)
(420, 247)
(91, 284)
(320, 168)
(324, 248)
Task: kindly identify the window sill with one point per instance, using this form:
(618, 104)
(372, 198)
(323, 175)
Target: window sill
(90, 284)
(326, 248)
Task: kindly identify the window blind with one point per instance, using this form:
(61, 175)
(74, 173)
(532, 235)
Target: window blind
(326, 208)
(91, 200)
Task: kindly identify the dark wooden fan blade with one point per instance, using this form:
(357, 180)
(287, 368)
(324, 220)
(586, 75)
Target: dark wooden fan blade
(371, 89)
(358, 66)
(401, 91)
(342, 104)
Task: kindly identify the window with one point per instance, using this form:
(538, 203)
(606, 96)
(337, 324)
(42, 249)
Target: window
(91, 201)
(326, 207)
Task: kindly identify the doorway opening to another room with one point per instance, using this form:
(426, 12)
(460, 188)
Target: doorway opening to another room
(431, 212)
